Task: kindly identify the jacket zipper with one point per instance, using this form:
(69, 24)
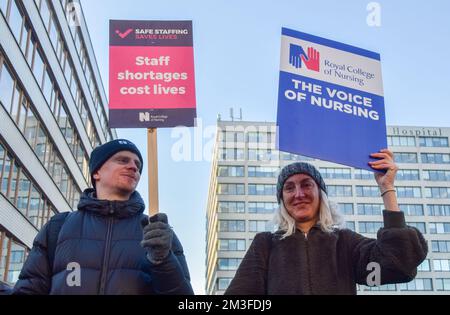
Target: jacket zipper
(104, 271)
(308, 264)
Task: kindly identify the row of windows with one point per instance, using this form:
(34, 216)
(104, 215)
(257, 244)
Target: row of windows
(265, 137)
(253, 207)
(62, 53)
(440, 246)
(49, 19)
(44, 76)
(344, 208)
(407, 141)
(24, 115)
(332, 173)
(238, 154)
(374, 226)
(377, 208)
(12, 257)
(418, 284)
(228, 263)
(239, 225)
(22, 191)
(253, 136)
(87, 69)
(253, 189)
(370, 227)
(337, 191)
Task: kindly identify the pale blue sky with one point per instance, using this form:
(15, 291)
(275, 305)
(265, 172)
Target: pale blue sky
(236, 47)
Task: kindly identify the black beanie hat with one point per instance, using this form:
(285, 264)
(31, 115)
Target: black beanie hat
(103, 152)
(299, 168)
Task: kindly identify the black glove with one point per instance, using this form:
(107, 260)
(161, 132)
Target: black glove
(157, 238)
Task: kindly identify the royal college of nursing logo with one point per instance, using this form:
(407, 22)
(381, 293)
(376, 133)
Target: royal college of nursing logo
(297, 56)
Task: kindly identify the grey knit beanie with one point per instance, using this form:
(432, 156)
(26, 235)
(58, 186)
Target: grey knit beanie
(299, 168)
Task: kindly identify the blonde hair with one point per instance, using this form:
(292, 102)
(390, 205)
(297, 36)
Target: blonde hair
(329, 217)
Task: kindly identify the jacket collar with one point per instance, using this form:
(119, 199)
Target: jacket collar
(119, 209)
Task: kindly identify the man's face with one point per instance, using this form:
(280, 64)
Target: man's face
(119, 174)
(301, 198)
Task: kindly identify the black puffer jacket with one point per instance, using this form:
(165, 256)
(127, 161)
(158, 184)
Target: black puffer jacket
(103, 237)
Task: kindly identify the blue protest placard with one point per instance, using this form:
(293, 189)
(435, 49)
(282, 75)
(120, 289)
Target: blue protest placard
(330, 100)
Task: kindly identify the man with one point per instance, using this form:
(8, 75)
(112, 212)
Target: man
(108, 246)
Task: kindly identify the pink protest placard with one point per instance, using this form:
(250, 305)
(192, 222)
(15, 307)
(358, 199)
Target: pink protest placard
(151, 81)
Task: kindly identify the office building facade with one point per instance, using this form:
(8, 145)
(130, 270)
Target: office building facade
(242, 198)
(53, 113)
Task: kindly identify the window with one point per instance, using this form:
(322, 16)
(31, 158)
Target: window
(384, 287)
(231, 189)
(363, 174)
(231, 225)
(262, 207)
(443, 284)
(38, 67)
(231, 154)
(433, 142)
(439, 227)
(369, 208)
(407, 175)
(15, 21)
(350, 225)
(335, 173)
(232, 244)
(45, 12)
(417, 285)
(262, 189)
(346, 208)
(435, 158)
(231, 207)
(408, 192)
(3, 6)
(260, 171)
(403, 157)
(370, 227)
(16, 260)
(262, 155)
(6, 87)
(223, 283)
(36, 201)
(229, 263)
(441, 264)
(259, 225)
(440, 246)
(438, 210)
(424, 266)
(410, 209)
(234, 171)
(418, 225)
(437, 192)
(367, 191)
(47, 88)
(339, 191)
(403, 141)
(436, 175)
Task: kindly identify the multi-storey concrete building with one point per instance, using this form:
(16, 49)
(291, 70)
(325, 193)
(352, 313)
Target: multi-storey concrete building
(53, 112)
(242, 198)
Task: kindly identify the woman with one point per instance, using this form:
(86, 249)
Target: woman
(309, 254)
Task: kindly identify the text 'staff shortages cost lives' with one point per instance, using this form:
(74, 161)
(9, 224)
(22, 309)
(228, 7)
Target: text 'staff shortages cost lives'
(330, 100)
(151, 78)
